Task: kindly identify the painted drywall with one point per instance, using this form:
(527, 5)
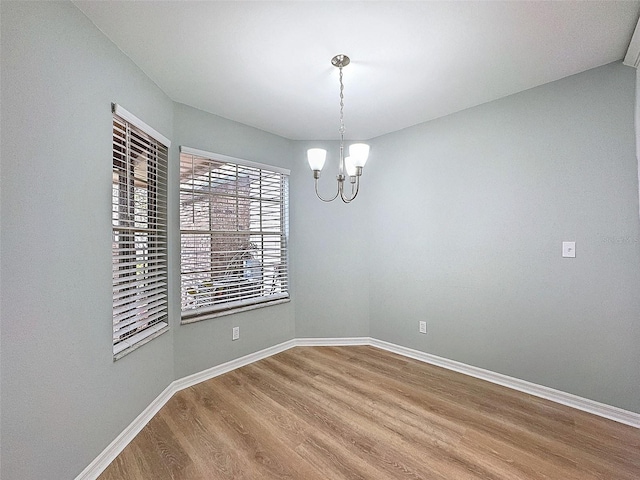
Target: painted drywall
(207, 343)
(63, 398)
(327, 260)
(466, 227)
(330, 262)
(638, 125)
(459, 222)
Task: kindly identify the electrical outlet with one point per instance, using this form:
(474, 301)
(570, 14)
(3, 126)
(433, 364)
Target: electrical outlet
(423, 327)
(569, 249)
(236, 333)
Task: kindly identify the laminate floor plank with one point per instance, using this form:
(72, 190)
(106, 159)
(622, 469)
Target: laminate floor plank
(461, 411)
(452, 456)
(553, 443)
(362, 413)
(184, 413)
(325, 415)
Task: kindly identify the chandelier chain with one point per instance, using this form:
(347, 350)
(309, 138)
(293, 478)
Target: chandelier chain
(341, 105)
(351, 171)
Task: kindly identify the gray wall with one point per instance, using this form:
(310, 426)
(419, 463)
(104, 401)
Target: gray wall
(459, 222)
(330, 258)
(638, 124)
(467, 222)
(63, 398)
(201, 345)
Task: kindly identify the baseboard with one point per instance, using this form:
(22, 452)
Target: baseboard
(95, 468)
(591, 406)
(332, 342)
(108, 455)
(209, 373)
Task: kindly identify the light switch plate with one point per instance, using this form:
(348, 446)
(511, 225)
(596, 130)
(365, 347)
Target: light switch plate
(569, 249)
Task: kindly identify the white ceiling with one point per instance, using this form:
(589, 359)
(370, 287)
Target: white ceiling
(267, 64)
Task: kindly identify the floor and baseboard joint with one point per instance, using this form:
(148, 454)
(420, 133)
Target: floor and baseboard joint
(95, 468)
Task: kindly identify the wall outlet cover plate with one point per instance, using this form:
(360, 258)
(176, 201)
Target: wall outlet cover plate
(569, 249)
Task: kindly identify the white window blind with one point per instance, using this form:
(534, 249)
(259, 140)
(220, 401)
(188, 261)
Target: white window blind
(233, 227)
(139, 225)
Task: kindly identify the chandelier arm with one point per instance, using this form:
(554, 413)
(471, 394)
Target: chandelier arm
(323, 199)
(340, 61)
(354, 195)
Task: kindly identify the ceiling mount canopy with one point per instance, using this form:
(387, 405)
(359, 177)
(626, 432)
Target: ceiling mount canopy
(351, 165)
(340, 61)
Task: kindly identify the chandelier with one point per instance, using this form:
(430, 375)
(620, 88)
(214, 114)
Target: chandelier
(350, 166)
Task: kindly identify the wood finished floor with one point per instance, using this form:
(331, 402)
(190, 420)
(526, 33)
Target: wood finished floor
(319, 413)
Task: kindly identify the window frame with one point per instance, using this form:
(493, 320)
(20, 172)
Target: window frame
(273, 259)
(140, 160)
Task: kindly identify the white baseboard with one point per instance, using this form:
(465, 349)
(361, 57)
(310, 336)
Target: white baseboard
(95, 468)
(209, 373)
(558, 396)
(108, 455)
(332, 342)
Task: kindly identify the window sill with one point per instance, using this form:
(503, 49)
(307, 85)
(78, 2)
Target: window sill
(231, 311)
(133, 343)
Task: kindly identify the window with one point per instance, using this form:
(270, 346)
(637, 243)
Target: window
(233, 227)
(139, 225)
